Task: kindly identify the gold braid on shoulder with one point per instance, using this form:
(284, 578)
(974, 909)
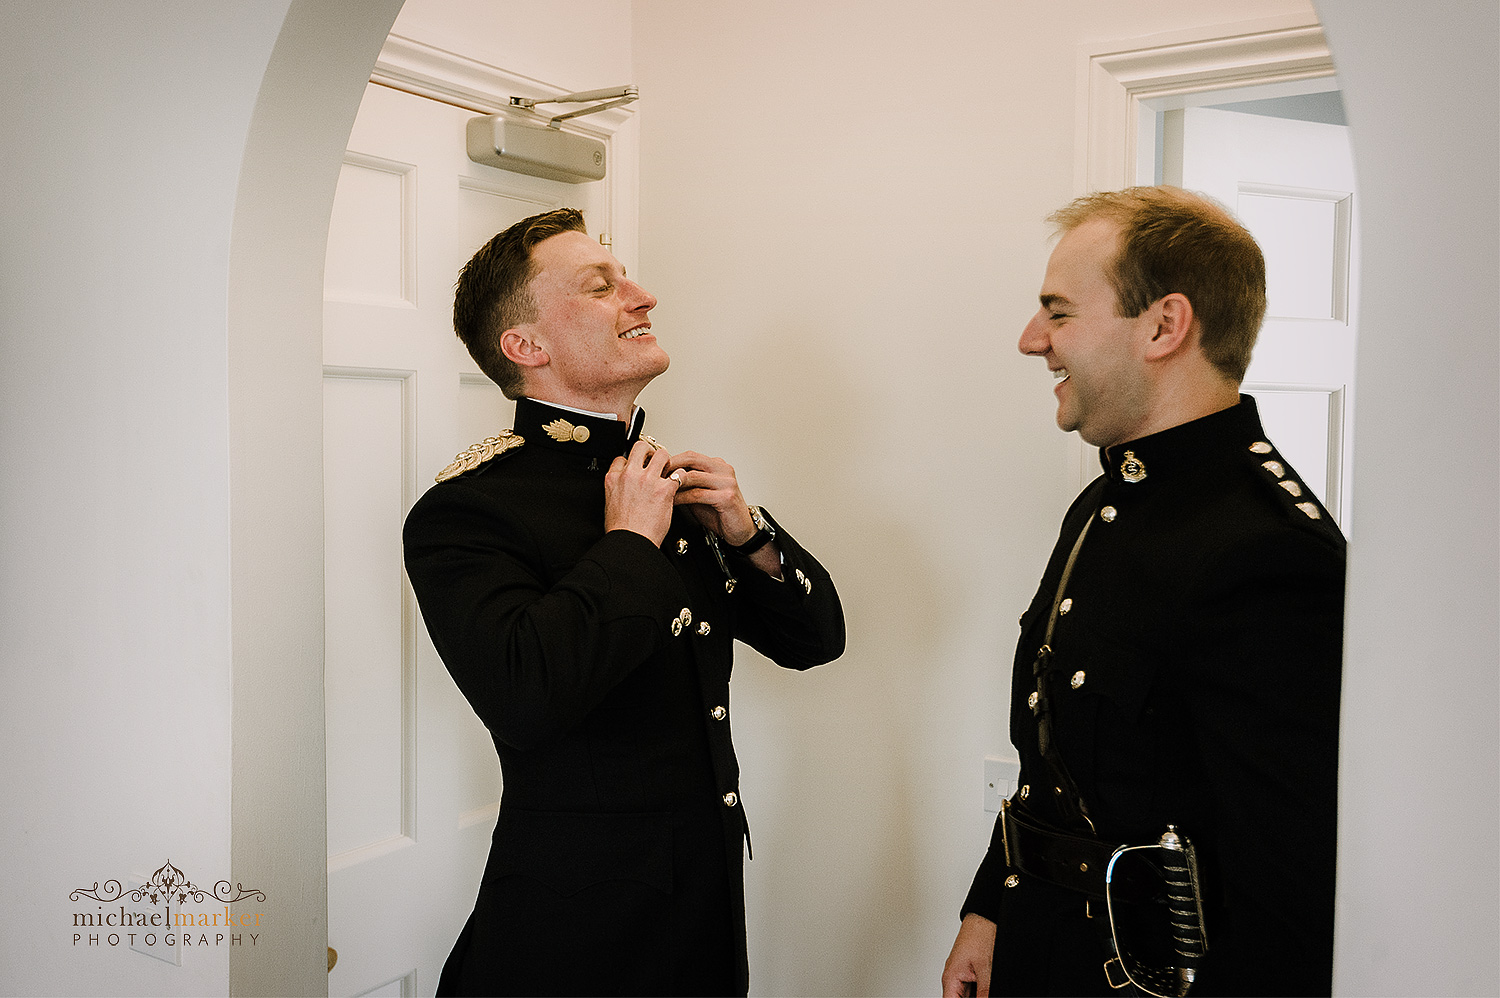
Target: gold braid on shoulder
(481, 452)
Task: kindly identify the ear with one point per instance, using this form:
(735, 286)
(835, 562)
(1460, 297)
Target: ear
(1173, 316)
(520, 347)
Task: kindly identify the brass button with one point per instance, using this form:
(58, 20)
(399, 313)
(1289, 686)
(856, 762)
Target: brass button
(1311, 509)
(676, 626)
(1291, 486)
(1031, 700)
(703, 627)
(1077, 679)
(1025, 791)
(682, 545)
(731, 799)
(1108, 514)
(1274, 467)
(729, 585)
(1065, 606)
(718, 713)
(1012, 880)
(1083, 868)
(581, 434)
(686, 616)
(1260, 447)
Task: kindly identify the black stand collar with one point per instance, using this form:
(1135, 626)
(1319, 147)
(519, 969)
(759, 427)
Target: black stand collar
(573, 432)
(1187, 447)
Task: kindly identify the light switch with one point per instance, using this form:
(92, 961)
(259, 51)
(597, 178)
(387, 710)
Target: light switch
(1000, 779)
(142, 935)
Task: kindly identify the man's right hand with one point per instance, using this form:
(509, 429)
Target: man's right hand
(637, 495)
(967, 971)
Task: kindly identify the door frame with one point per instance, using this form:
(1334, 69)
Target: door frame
(1116, 80)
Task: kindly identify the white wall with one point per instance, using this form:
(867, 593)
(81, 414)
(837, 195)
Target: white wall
(841, 212)
(124, 125)
(1419, 880)
(583, 44)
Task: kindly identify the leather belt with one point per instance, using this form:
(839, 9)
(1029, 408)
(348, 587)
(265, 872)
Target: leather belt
(1076, 862)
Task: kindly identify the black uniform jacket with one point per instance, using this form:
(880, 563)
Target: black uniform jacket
(1195, 681)
(600, 664)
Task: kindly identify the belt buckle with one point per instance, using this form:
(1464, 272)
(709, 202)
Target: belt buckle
(1114, 973)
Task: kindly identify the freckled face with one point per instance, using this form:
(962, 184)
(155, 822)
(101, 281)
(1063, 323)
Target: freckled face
(592, 322)
(1096, 355)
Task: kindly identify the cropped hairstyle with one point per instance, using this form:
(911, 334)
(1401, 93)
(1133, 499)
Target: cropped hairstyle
(1172, 240)
(492, 293)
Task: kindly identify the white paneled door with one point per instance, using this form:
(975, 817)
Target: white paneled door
(413, 784)
(1292, 185)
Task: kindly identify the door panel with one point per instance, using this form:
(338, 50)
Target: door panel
(1291, 183)
(413, 783)
(369, 680)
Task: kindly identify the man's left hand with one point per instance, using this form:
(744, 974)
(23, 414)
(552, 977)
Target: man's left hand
(708, 488)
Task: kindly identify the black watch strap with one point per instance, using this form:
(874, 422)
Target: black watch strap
(764, 534)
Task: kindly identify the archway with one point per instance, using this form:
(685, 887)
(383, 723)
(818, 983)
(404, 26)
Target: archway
(306, 107)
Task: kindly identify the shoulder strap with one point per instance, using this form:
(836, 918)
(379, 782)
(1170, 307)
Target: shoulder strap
(1071, 802)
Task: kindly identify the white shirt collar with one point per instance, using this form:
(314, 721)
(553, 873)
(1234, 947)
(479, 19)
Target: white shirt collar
(586, 412)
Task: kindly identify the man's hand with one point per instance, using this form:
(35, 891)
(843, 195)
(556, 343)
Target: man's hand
(967, 971)
(711, 493)
(638, 495)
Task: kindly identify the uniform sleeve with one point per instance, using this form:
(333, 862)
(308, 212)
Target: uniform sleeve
(796, 621)
(984, 892)
(1264, 713)
(533, 659)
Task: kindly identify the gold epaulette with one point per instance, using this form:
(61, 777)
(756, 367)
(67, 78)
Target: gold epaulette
(481, 452)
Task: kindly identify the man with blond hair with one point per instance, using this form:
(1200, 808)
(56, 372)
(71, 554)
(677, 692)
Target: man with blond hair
(1176, 682)
(585, 588)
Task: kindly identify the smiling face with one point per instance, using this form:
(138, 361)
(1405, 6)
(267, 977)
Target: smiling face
(595, 347)
(1096, 354)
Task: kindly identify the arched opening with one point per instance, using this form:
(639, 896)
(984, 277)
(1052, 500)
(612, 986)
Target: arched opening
(307, 103)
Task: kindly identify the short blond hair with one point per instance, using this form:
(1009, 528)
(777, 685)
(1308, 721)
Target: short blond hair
(1172, 240)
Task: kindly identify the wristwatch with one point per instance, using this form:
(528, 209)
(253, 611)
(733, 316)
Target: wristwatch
(764, 533)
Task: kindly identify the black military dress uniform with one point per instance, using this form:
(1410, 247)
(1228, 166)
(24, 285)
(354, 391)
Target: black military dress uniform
(1193, 680)
(600, 664)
